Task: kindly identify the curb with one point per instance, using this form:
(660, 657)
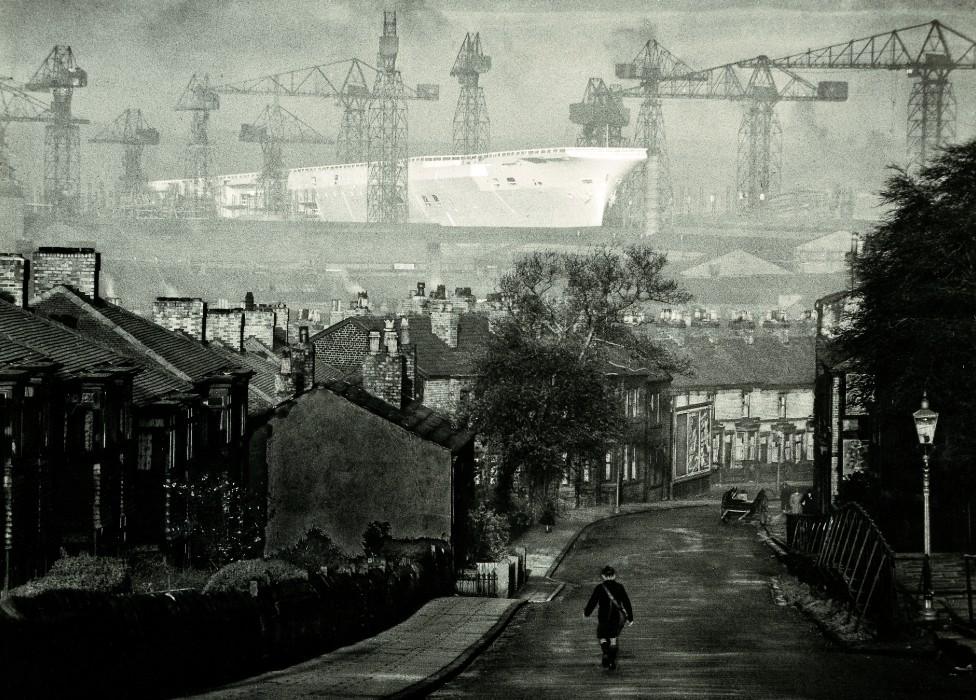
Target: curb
(425, 687)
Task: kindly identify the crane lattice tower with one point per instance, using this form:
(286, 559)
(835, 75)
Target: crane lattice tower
(472, 129)
(16, 105)
(647, 196)
(386, 186)
(60, 75)
(131, 131)
(600, 115)
(199, 98)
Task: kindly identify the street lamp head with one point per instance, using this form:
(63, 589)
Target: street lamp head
(925, 422)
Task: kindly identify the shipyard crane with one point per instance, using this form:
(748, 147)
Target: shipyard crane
(200, 99)
(601, 115)
(274, 127)
(929, 53)
(649, 187)
(386, 132)
(16, 105)
(60, 75)
(471, 124)
(758, 159)
(131, 131)
(343, 80)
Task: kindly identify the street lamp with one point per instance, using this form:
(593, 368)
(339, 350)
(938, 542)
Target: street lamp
(925, 422)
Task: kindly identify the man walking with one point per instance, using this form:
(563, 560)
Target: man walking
(614, 613)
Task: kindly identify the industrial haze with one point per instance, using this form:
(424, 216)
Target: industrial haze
(140, 54)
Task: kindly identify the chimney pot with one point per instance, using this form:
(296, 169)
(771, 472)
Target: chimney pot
(303, 334)
(336, 305)
(404, 331)
(374, 342)
(420, 288)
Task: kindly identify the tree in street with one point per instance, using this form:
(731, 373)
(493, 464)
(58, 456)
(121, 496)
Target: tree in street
(914, 328)
(543, 401)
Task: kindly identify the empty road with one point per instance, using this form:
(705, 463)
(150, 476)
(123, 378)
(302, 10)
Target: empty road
(707, 627)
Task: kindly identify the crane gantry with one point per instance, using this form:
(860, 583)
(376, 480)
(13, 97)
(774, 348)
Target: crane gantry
(131, 130)
(472, 129)
(274, 127)
(928, 52)
(649, 188)
(60, 75)
(759, 147)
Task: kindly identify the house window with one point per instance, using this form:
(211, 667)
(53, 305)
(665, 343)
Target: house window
(144, 459)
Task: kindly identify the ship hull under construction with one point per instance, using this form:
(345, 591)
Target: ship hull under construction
(548, 187)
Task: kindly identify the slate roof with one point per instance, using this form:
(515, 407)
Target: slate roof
(14, 354)
(737, 263)
(730, 362)
(261, 392)
(133, 336)
(77, 354)
(435, 358)
(416, 418)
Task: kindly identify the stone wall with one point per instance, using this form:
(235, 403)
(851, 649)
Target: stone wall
(13, 277)
(444, 394)
(226, 325)
(342, 347)
(185, 314)
(336, 466)
(77, 268)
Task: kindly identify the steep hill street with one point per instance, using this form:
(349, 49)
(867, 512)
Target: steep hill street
(707, 627)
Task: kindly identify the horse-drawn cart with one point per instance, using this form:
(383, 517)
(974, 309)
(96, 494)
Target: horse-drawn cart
(736, 506)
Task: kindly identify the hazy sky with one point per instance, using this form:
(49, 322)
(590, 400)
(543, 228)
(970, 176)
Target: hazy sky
(141, 53)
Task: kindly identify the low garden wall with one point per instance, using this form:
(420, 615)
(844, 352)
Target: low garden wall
(69, 643)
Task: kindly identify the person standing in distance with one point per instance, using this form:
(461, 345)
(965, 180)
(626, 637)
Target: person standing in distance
(614, 612)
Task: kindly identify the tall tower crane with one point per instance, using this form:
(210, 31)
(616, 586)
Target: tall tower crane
(386, 132)
(757, 163)
(926, 52)
(60, 75)
(343, 80)
(601, 115)
(131, 130)
(650, 183)
(471, 125)
(274, 127)
(16, 106)
(200, 99)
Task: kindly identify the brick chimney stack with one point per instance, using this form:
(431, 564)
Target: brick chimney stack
(411, 390)
(186, 314)
(14, 270)
(78, 268)
(444, 322)
(383, 371)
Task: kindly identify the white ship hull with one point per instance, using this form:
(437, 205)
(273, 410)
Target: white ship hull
(547, 187)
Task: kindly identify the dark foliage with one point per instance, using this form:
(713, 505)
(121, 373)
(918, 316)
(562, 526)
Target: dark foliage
(375, 538)
(314, 551)
(83, 572)
(915, 327)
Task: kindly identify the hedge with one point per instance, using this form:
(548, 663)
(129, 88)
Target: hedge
(71, 642)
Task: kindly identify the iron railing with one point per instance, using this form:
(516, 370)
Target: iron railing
(470, 583)
(850, 552)
(969, 561)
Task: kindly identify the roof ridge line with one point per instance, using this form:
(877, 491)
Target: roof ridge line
(85, 305)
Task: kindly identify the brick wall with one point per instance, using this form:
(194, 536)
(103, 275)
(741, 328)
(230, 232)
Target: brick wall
(75, 267)
(181, 314)
(444, 395)
(344, 347)
(260, 323)
(226, 325)
(13, 277)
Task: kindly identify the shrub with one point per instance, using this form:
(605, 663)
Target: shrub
(313, 551)
(487, 534)
(375, 537)
(237, 576)
(82, 572)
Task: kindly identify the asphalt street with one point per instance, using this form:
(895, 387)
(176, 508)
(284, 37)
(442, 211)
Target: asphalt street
(708, 626)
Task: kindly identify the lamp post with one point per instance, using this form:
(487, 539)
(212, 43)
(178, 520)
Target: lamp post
(925, 422)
